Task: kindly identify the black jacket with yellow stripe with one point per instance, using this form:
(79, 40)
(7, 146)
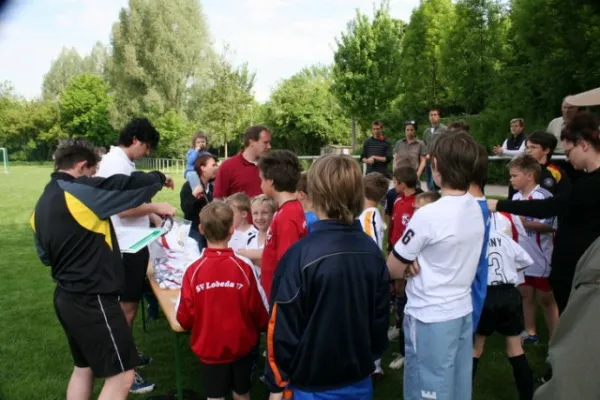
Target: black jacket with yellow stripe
(74, 234)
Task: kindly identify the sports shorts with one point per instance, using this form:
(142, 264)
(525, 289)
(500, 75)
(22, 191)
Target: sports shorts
(541, 284)
(97, 332)
(221, 379)
(502, 311)
(136, 267)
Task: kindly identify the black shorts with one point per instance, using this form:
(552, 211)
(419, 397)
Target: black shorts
(136, 267)
(97, 332)
(502, 311)
(221, 379)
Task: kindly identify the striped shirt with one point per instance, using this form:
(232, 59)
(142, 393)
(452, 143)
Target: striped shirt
(372, 224)
(381, 147)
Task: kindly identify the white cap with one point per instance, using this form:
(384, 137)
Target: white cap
(589, 98)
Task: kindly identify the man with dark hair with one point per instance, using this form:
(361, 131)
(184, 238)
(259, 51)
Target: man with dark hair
(74, 236)
(430, 133)
(240, 172)
(136, 141)
(458, 126)
(377, 151)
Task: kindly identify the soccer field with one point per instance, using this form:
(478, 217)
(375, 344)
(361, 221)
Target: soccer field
(35, 361)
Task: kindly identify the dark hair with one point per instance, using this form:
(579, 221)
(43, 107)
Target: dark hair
(199, 135)
(253, 133)
(201, 161)
(283, 168)
(377, 123)
(545, 140)
(526, 163)
(376, 186)
(454, 154)
(406, 175)
(72, 151)
(460, 125)
(435, 109)
(583, 126)
(413, 123)
(480, 167)
(140, 129)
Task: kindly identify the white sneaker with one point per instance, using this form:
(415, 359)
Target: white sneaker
(397, 363)
(378, 371)
(393, 333)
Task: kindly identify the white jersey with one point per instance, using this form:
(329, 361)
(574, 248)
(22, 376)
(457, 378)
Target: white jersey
(538, 245)
(116, 162)
(446, 238)
(505, 259)
(511, 226)
(252, 242)
(372, 224)
(239, 239)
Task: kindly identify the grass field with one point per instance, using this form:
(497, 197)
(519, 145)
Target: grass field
(35, 361)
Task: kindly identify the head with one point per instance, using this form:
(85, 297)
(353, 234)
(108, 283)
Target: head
(410, 129)
(405, 178)
(377, 128)
(516, 126)
(525, 172)
(453, 156)
(376, 186)
(480, 167)
(568, 111)
(216, 222)
(199, 141)
(541, 145)
(302, 191)
(206, 167)
(263, 210)
(279, 172)
(240, 205)
(425, 198)
(257, 141)
(101, 150)
(139, 137)
(458, 126)
(581, 140)
(76, 157)
(434, 116)
(336, 188)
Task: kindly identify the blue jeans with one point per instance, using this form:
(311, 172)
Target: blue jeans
(438, 363)
(431, 186)
(362, 390)
(193, 178)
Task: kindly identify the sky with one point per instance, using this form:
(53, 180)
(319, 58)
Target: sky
(277, 38)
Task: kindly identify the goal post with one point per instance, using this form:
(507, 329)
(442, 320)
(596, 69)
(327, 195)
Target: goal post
(4, 156)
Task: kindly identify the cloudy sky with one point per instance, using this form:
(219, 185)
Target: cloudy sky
(276, 37)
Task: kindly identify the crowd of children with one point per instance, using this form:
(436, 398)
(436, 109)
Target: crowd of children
(457, 274)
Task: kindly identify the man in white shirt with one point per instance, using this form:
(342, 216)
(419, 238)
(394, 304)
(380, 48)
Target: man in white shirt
(136, 141)
(445, 240)
(556, 126)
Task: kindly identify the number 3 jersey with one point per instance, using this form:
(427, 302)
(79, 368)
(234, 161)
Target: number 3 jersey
(506, 258)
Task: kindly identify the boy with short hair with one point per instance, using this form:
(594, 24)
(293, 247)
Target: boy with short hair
(525, 172)
(304, 199)
(279, 173)
(441, 247)
(225, 308)
(541, 146)
(242, 210)
(332, 284)
(425, 198)
(405, 182)
(376, 186)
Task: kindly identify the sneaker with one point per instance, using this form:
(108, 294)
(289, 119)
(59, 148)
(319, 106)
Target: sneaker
(393, 333)
(398, 362)
(530, 339)
(145, 360)
(140, 385)
(378, 372)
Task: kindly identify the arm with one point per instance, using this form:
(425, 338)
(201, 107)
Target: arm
(188, 201)
(257, 300)
(537, 226)
(184, 309)
(117, 193)
(422, 162)
(416, 237)
(549, 207)
(254, 255)
(513, 153)
(363, 152)
(38, 246)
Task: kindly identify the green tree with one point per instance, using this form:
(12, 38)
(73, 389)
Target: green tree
(304, 114)
(65, 67)
(366, 77)
(84, 110)
(95, 62)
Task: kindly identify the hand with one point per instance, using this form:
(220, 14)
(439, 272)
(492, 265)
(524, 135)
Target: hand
(155, 220)
(492, 205)
(427, 157)
(498, 150)
(164, 209)
(413, 269)
(371, 160)
(198, 190)
(169, 183)
(276, 396)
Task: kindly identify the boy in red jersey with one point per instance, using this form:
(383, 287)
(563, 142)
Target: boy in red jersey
(405, 182)
(224, 306)
(279, 174)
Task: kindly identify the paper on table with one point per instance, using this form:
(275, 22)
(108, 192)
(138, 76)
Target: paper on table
(132, 240)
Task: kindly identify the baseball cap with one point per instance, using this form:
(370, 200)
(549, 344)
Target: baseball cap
(589, 98)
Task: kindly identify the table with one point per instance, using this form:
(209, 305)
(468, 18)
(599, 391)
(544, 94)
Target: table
(167, 299)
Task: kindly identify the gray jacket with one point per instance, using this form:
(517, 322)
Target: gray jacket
(428, 136)
(575, 349)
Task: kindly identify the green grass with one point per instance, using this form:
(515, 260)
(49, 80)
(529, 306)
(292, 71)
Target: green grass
(36, 362)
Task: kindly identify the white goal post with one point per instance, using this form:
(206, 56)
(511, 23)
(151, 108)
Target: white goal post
(4, 158)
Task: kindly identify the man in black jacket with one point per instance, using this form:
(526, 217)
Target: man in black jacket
(377, 151)
(74, 236)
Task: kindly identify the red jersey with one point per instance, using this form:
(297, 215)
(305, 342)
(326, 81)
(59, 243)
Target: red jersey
(235, 175)
(288, 226)
(404, 208)
(223, 305)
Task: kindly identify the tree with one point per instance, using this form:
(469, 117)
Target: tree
(84, 110)
(159, 48)
(95, 62)
(304, 114)
(366, 77)
(64, 68)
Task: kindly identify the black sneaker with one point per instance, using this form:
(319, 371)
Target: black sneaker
(145, 360)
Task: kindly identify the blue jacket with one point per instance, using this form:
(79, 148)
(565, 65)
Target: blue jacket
(191, 157)
(479, 286)
(330, 306)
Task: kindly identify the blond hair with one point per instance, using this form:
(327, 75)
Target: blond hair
(241, 201)
(216, 220)
(263, 198)
(336, 188)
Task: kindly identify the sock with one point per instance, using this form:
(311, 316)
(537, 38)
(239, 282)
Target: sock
(523, 376)
(475, 362)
